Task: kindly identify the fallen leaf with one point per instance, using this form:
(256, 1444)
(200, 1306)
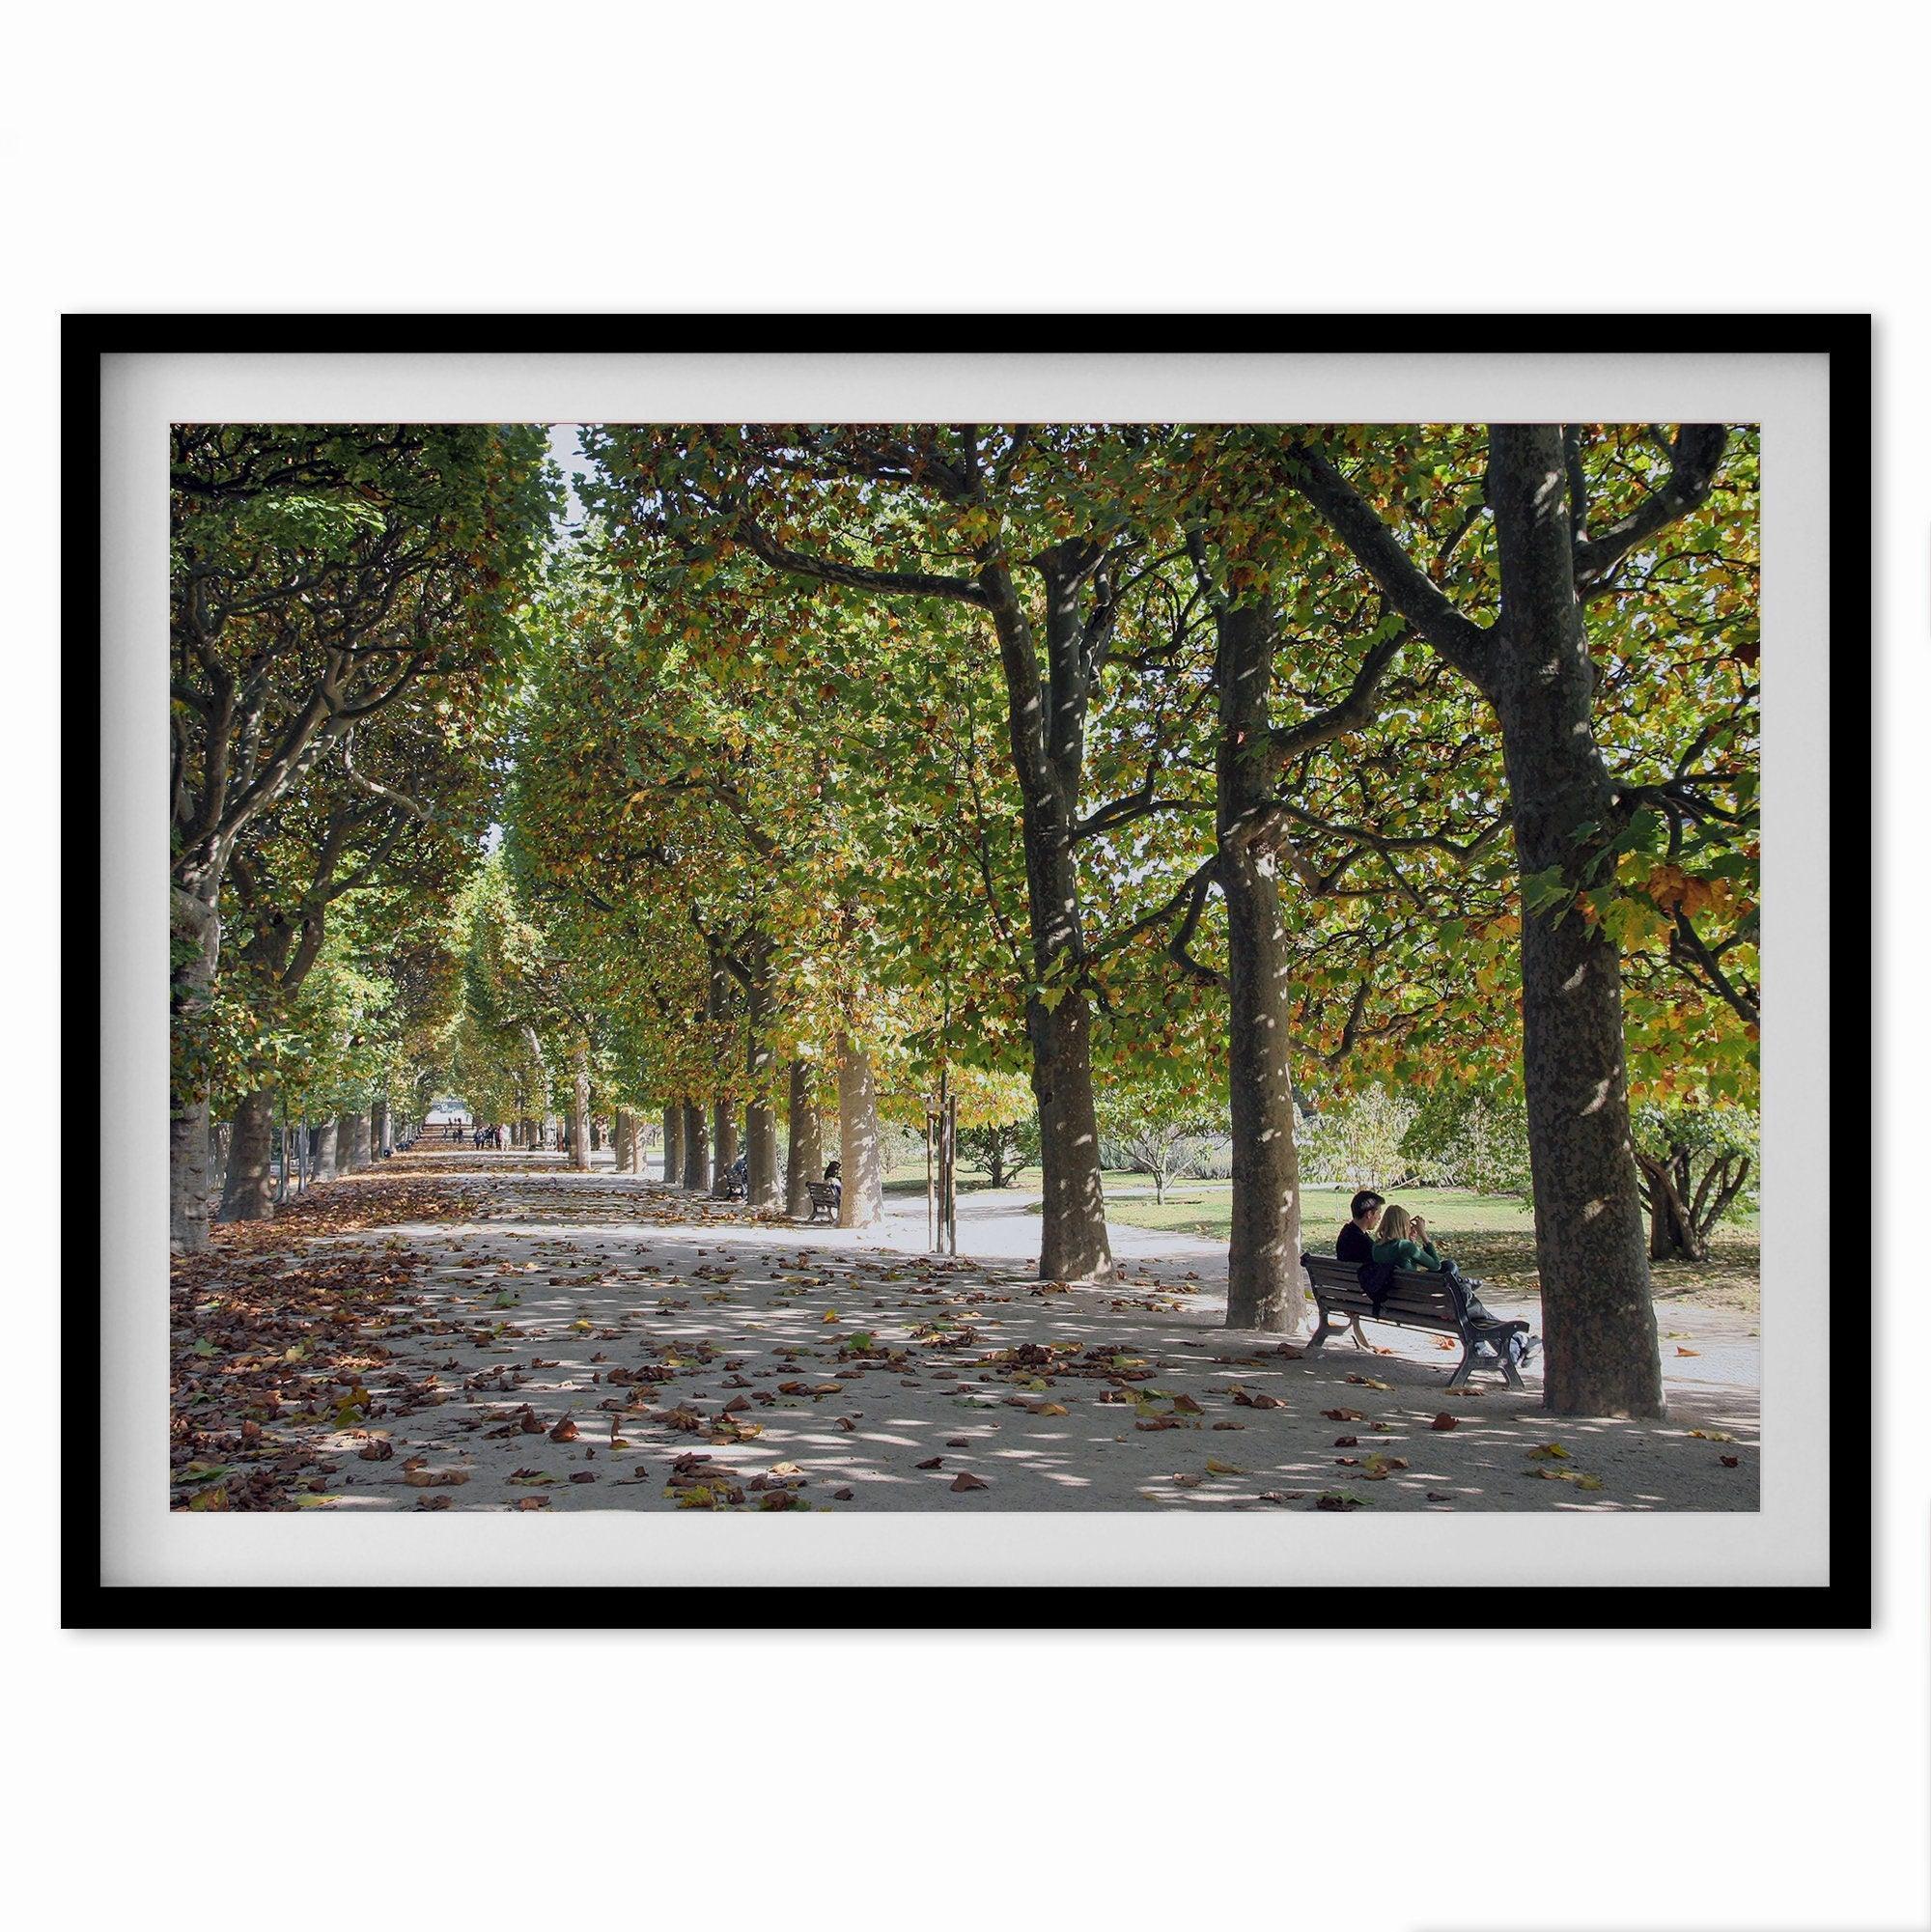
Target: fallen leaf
(1342, 1415)
(930, 1463)
(563, 1432)
(963, 1481)
(1550, 1451)
(1446, 1421)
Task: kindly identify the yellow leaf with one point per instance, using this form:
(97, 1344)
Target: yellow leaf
(1550, 1451)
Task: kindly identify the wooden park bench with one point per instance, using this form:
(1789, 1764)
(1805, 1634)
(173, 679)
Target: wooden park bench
(1414, 1300)
(823, 1194)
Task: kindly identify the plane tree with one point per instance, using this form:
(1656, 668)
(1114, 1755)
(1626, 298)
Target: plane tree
(317, 574)
(1588, 544)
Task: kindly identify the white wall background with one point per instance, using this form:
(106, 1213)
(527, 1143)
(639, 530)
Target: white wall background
(1217, 157)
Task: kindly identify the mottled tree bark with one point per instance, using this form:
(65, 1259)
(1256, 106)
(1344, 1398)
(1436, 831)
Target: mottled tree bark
(862, 1172)
(802, 1159)
(623, 1142)
(580, 1109)
(249, 1193)
(696, 1149)
(324, 1150)
(761, 1122)
(724, 1144)
(1073, 1244)
(672, 1154)
(1048, 729)
(1264, 1274)
(378, 1122)
(195, 931)
(1599, 1321)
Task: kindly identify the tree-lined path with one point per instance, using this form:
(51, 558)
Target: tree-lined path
(1331, 804)
(500, 1333)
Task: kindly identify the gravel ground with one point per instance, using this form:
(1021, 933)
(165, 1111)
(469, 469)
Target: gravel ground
(571, 1341)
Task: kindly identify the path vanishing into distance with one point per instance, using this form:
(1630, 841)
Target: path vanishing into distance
(462, 1331)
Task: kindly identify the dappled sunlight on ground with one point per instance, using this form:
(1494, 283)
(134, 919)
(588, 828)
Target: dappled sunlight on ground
(527, 1338)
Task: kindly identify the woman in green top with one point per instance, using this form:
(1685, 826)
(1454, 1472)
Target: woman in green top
(1403, 1240)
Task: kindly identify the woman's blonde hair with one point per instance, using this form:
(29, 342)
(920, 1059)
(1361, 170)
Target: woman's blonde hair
(1394, 1224)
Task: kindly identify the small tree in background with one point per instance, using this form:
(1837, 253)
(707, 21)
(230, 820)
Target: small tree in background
(1000, 1150)
(1358, 1142)
(1693, 1162)
(1157, 1130)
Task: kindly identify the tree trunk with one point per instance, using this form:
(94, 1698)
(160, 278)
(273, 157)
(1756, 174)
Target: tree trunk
(249, 1194)
(379, 1123)
(673, 1155)
(195, 932)
(861, 1175)
(1072, 1245)
(579, 1109)
(324, 1151)
(1264, 1275)
(1599, 1321)
(1047, 727)
(724, 1144)
(696, 1150)
(1673, 1233)
(760, 1121)
(802, 1155)
(623, 1141)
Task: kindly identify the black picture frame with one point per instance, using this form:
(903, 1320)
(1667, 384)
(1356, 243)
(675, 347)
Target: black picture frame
(1842, 1603)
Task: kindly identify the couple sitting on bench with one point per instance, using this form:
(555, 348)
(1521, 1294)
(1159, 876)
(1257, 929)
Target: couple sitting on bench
(1382, 1239)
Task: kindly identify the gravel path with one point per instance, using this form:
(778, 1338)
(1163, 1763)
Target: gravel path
(571, 1341)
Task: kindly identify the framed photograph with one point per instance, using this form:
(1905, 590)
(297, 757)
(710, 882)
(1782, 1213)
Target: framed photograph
(1084, 970)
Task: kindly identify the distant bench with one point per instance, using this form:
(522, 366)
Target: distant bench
(1414, 1300)
(823, 1194)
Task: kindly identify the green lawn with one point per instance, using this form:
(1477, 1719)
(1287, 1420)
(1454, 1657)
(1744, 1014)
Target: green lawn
(1202, 1207)
(1492, 1235)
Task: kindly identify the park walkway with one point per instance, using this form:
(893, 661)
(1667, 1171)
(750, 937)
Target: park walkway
(459, 1331)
